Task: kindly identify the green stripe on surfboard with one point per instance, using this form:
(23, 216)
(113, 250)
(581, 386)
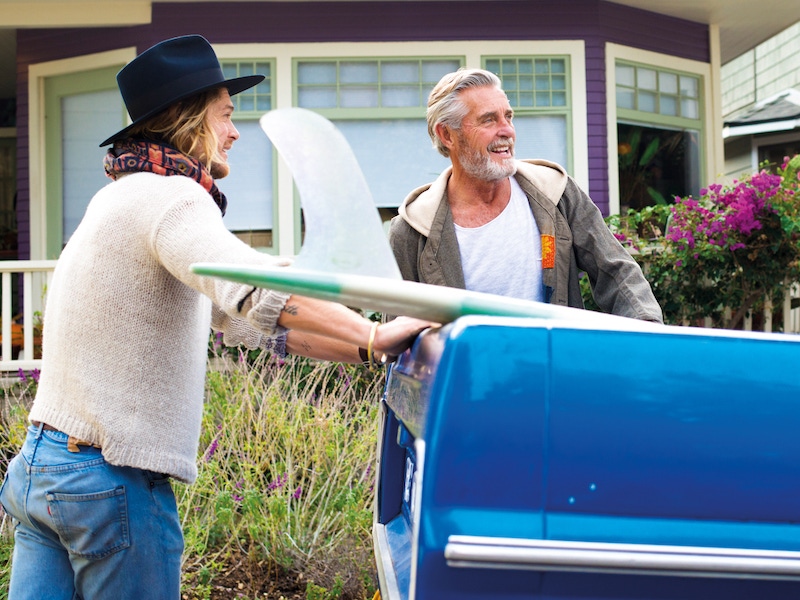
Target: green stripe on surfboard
(394, 297)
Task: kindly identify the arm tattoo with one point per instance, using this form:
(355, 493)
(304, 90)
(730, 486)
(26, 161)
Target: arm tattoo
(290, 308)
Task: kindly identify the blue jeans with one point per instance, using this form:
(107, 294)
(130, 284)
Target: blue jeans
(85, 529)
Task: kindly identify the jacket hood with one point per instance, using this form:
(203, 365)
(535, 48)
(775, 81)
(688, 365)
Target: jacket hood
(420, 206)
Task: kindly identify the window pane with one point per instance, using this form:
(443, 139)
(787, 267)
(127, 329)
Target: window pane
(434, 70)
(689, 86)
(542, 83)
(690, 109)
(86, 119)
(542, 66)
(656, 164)
(625, 75)
(358, 97)
(321, 72)
(413, 161)
(249, 185)
(524, 100)
(316, 97)
(493, 65)
(400, 72)
(646, 79)
(646, 101)
(247, 103)
(401, 96)
(541, 136)
(625, 98)
(668, 106)
(668, 83)
(358, 72)
(257, 98)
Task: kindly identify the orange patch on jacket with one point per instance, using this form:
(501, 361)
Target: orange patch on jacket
(548, 251)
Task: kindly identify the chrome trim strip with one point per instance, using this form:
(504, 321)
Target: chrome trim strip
(383, 560)
(464, 551)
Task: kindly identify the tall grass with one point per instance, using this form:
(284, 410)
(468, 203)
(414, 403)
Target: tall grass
(285, 486)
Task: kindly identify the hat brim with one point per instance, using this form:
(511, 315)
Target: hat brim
(234, 86)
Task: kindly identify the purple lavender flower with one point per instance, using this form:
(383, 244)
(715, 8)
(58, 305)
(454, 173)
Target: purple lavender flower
(212, 448)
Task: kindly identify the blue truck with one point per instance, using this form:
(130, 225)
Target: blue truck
(548, 459)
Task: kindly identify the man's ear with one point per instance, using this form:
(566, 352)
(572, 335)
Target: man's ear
(445, 135)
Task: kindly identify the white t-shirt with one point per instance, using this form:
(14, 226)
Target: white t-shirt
(504, 256)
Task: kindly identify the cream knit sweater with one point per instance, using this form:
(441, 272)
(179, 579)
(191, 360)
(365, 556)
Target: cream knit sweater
(126, 323)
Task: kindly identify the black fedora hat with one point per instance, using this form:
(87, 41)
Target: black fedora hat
(170, 71)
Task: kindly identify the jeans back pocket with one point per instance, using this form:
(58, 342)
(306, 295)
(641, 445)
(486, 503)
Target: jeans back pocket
(91, 525)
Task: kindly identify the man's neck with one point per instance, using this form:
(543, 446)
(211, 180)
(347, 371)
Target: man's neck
(475, 202)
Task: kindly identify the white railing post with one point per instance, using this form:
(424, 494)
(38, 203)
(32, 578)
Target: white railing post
(768, 313)
(33, 289)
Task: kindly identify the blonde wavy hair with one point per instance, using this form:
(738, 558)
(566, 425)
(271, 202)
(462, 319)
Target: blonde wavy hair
(185, 127)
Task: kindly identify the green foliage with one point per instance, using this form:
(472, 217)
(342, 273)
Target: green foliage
(286, 469)
(286, 465)
(720, 255)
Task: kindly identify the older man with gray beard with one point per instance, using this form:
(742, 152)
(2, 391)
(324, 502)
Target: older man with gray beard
(518, 228)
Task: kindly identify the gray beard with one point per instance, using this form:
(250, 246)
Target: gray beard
(484, 168)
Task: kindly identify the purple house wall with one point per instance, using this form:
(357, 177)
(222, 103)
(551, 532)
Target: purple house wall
(594, 21)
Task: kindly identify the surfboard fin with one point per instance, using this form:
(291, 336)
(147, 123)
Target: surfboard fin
(343, 230)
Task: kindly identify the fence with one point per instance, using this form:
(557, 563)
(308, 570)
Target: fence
(789, 314)
(23, 284)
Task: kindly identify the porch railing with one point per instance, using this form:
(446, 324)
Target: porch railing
(32, 278)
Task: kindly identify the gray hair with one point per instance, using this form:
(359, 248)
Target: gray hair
(446, 107)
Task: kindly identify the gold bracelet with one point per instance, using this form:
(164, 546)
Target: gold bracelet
(372, 332)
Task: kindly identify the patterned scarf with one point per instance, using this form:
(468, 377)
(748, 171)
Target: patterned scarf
(133, 156)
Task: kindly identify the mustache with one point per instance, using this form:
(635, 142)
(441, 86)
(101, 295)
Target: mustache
(505, 141)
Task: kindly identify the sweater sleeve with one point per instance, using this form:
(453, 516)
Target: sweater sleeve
(190, 231)
(238, 332)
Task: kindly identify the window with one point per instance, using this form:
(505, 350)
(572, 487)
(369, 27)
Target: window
(379, 106)
(538, 91)
(250, 186)
(82, 109)
(659, 129)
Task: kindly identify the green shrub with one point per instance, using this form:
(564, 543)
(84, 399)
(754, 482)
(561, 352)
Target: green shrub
(719, 256)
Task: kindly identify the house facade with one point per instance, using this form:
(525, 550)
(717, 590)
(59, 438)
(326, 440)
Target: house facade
(761, 104)
(595, 86)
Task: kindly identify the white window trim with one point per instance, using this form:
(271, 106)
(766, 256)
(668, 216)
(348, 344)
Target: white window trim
(36, 132)
(711, 129)
(472, 51)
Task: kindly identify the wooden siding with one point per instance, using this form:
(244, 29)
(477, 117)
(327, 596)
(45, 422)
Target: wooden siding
(594, 21)
(768, 69)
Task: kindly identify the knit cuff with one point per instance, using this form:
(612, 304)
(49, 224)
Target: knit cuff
(276, 345)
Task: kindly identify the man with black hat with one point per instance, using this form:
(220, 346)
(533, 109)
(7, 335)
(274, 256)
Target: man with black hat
(119, 403)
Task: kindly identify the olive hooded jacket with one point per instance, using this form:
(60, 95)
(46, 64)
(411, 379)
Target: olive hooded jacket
(575, 239)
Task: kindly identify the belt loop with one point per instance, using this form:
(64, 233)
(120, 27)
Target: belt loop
(39, 429)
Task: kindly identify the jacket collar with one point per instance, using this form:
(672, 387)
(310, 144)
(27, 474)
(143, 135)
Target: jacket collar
(419, 207)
